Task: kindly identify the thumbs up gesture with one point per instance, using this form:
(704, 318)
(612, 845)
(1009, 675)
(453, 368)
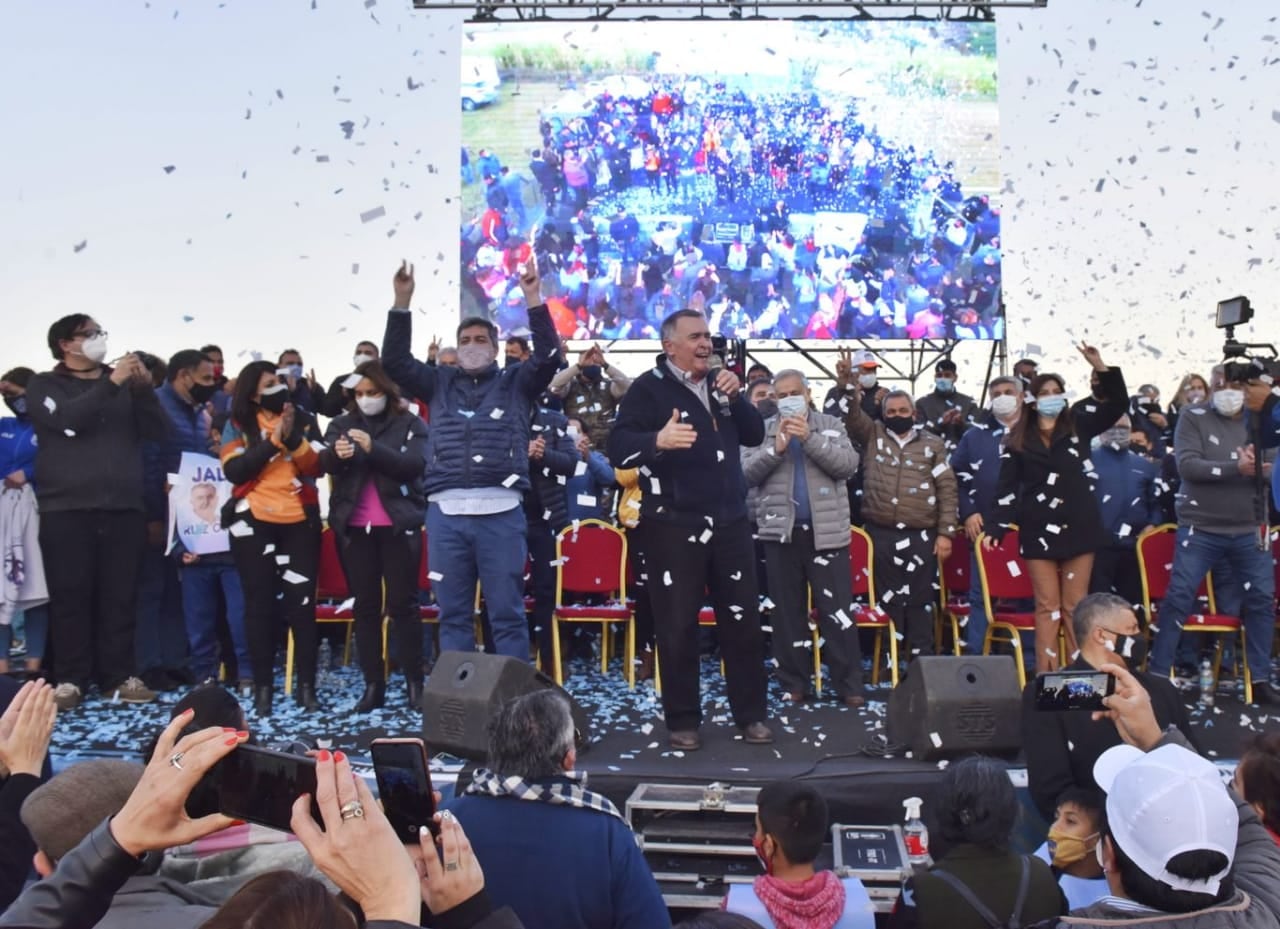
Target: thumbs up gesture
(676, 434)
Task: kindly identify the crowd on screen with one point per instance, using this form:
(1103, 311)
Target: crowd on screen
(661, 195)
(733, 493)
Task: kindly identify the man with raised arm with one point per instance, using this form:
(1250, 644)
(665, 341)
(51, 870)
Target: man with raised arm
(477, 462)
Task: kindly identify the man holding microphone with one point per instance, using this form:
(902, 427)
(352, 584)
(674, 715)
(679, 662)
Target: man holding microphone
(683, 424)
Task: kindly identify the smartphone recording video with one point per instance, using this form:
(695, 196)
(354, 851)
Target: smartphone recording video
(1073, 690)
(404, 786)
(257, 785)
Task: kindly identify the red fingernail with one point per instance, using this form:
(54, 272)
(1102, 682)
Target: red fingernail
(189, 712)
(338, 756)
(323, 755)
(233, 740)
(242, 734)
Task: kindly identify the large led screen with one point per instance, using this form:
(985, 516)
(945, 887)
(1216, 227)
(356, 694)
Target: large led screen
(792, 180)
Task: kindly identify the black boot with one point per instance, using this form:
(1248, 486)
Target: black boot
(375, 697)
(415, 693)
(306, 697)
(262, 700)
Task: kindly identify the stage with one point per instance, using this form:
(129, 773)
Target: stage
(822, 741)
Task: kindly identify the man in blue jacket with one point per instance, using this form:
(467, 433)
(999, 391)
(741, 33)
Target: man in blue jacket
(477, 462)
(1129, 501)
(976, 461)
(567, 857)
(184, 397)
(683, 425)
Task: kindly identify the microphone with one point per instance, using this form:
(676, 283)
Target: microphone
(712, 375)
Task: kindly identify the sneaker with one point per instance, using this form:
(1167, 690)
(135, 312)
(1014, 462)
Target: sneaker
(67, 696)
(132, 690)
(244, 687)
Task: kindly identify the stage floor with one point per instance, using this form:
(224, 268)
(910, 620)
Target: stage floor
(820, 740)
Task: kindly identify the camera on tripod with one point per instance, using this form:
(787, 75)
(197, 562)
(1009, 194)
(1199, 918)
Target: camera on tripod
(1235, 312)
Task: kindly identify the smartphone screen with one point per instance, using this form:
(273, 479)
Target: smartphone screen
(257, 785)
(404, 785)
(1073, 690)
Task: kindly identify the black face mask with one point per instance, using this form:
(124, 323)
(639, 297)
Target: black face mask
(511, 360)
(1132, 648)
(899, 424)
(274, 402)
(767, 407)
(17, 404)
(202, 393)
(592, 373)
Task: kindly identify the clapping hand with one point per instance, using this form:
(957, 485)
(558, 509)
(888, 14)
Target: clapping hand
(26, 728)
(361, 438)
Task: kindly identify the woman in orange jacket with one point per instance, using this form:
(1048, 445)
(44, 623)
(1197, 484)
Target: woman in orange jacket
(274, 522)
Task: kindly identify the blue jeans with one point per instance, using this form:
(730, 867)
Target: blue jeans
(159, 640)
(35, 632)
(1252, 589)
(200, 584)
(491, 548)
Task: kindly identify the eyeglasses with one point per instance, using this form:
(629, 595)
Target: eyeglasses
(91, 334)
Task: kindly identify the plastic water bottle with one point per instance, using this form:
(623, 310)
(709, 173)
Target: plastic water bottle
(1206, 683)
(914, 833)
(324, 661)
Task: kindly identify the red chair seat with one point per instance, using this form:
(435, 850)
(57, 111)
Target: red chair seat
(1017, 620)
(429, 612)
(707, 616)
(959, 607)
(865, 616)
(1213, 619)
(614, 611)
(333, 611)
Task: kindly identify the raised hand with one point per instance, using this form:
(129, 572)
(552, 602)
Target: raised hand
(402, 284)
(844, 367)
(433, 349)
(1091, 355)
(530, 283)
(127, 368)
(676, 434)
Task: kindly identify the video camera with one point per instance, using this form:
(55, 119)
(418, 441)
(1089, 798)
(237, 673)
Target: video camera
(1235, 312)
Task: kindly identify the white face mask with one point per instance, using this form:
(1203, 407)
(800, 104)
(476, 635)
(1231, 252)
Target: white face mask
(867, 380)
(1004, 405)
(474, 357)
(362, 358)
(1228, 402)
(372, 406)
(1194, 395)
(792, 406)
(95, 349)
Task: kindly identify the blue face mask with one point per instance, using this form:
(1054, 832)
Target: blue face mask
(1051, 406)
(944, 385)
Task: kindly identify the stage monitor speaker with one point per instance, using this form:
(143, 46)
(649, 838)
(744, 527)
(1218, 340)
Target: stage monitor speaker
(466, 689)
(947, 706)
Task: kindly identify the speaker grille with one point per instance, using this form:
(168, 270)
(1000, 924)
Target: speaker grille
(452, 718)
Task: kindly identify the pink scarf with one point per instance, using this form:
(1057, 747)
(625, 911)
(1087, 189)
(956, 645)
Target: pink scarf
(813, 904)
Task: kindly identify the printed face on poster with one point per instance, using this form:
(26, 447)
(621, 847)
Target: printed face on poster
(196, 497)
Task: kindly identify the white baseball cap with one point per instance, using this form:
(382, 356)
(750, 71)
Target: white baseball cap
(865, 359)
(1163, 803)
